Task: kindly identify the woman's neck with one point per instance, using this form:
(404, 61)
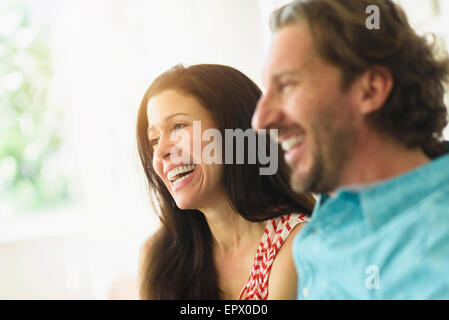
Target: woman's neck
(230, 231)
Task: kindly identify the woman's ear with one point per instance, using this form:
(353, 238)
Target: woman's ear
(374, 88)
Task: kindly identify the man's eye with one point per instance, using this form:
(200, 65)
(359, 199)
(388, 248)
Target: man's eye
(285, 85)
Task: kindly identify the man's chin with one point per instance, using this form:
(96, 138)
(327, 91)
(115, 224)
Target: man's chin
(299, 184)
(304, 180)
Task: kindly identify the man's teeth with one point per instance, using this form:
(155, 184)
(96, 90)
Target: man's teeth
(178, 170)
(291, 142)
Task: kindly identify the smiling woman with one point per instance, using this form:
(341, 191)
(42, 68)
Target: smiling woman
(165, 120)
(213, 215)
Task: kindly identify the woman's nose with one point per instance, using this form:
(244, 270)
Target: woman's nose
(164, 148)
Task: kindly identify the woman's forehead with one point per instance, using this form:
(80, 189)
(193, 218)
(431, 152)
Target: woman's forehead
(170, 104)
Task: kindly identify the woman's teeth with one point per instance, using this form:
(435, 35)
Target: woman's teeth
(175, 175)
(291, 142)
(177, 181)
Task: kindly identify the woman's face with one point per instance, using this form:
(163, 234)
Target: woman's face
(192, 183)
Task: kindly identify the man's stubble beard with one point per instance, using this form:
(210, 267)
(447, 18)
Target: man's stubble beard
(332, 150)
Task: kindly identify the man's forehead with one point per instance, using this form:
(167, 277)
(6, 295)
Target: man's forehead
(291, 49)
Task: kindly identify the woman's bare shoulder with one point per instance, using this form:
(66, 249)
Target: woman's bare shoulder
(283, 280)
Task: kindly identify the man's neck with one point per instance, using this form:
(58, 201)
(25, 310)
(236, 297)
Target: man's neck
(380, 158)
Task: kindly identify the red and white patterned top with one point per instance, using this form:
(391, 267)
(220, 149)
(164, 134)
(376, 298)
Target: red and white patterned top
(276, 232)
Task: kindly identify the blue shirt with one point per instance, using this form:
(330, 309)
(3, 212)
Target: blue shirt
(385, 241)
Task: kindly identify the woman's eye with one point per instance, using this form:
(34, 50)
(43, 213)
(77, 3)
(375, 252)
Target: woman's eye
(178, 126)
(154, 142)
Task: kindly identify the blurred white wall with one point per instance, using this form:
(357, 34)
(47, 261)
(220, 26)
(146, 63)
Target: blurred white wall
(67, 267)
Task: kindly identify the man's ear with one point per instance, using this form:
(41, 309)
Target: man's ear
(374, 87)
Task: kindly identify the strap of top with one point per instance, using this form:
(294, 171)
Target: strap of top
(276, 232)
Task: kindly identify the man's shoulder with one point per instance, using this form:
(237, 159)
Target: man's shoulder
(421, 264)
(436, 203)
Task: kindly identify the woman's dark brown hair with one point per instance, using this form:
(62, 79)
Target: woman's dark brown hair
(415, 113)
(179, 263)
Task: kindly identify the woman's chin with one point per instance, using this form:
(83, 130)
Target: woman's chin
(185, 204)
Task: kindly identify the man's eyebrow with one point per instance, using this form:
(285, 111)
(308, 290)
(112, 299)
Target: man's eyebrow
(169, 118)
(278, 75)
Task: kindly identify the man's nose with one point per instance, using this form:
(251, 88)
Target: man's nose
(267, 114)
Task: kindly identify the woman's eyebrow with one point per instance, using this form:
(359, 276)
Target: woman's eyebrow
(169, 118)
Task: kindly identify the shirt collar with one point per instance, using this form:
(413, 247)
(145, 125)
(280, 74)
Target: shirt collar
(382, 201)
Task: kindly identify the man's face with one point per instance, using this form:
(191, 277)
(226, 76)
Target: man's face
(305, 101)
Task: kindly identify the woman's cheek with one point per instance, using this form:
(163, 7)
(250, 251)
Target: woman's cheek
(192, 146)
(158, 168)
(182, 145)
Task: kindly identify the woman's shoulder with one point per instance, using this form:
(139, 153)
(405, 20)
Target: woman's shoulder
(268, 277)
(282, 283)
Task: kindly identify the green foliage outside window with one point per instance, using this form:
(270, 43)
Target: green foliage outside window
(30, 123)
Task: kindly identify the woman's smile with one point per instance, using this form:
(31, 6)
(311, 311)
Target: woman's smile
(181, 176)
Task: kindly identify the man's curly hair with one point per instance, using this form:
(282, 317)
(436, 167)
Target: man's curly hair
(414, 113)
